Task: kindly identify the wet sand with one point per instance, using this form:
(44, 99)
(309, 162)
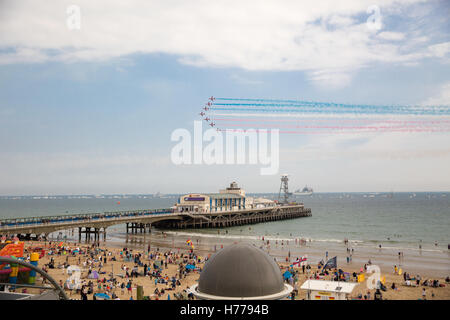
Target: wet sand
(430, 262)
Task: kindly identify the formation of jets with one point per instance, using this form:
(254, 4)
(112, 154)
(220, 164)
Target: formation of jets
(206, 108)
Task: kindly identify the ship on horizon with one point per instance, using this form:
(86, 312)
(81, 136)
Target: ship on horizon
(306, 191)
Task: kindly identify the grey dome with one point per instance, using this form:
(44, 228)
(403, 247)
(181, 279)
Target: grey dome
(240, 270)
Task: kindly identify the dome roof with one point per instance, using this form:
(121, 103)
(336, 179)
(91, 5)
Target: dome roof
(241, 271)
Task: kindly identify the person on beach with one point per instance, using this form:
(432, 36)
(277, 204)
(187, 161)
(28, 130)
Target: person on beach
(378, 295)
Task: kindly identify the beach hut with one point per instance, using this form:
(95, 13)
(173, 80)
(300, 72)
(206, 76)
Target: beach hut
(327, 290)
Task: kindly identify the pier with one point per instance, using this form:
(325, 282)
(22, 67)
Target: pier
(140, 221)
(236, 218)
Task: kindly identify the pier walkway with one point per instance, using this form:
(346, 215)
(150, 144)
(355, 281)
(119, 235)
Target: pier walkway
(96, 223)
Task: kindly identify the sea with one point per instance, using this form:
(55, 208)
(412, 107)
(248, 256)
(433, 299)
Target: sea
(380, 224)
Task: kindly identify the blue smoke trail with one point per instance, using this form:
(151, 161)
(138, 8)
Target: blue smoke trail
(329, 107)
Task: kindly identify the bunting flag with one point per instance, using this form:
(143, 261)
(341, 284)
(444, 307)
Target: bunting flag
(301, 261)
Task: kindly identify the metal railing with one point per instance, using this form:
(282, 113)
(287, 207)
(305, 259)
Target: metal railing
(70, 219)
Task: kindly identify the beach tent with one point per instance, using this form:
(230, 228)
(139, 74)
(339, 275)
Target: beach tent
(93, 275)
(72, 284)
(102, 296)
(287, 275)
(190, 267)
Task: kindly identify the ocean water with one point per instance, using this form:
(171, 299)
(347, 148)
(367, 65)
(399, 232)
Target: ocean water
(404, 220)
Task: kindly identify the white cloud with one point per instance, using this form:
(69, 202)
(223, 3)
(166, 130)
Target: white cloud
(442, 97)
(243, 80)
(381, 146)
(371, 162)
(395, 36)
(324, 38)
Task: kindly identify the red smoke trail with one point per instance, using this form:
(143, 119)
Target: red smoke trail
(330, 127)
(334, 132)
(332, 120)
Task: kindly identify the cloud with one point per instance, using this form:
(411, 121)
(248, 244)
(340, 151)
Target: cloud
(243, 80)
(330, 41)
(371, 162)
(374, 146)
(442, 97)
(395, 36)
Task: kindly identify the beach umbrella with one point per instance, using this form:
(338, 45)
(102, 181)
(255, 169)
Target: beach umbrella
(287, 275)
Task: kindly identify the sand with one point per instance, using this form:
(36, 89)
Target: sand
(60, 275)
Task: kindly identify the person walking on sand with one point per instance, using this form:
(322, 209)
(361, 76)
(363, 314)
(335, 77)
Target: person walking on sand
(424, 294)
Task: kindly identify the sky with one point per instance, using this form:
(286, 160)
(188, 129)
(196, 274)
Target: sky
(91, 91)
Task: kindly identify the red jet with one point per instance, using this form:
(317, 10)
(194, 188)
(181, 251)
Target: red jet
(212, 98)
(202, 113)
(212, 124)
(206, 119)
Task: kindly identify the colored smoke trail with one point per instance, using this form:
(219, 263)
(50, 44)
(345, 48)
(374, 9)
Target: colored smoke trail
(334, 110)
(339, 127)
(333, 120)
(310, 117)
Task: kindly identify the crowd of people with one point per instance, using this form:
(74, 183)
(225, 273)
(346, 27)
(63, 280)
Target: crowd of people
(151, 267)
(96, 277)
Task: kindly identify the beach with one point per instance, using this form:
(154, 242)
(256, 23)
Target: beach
(171, 247)
(408, 231)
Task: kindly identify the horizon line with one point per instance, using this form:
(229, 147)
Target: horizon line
(181, 193)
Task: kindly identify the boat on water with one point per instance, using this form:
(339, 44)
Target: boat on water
(306, 191)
